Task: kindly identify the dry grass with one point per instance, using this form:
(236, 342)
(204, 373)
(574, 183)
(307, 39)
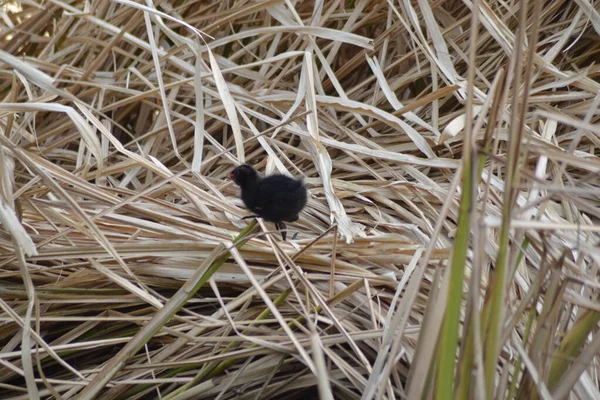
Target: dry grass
(120, 120)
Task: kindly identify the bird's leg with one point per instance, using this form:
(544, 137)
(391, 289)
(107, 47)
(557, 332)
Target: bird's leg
(281, 226)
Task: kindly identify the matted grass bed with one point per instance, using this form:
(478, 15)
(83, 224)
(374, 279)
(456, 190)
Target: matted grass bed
(450, 246)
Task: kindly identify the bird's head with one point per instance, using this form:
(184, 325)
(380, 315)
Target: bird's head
(244, 175)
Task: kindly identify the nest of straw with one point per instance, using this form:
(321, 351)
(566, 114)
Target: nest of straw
(450, 241)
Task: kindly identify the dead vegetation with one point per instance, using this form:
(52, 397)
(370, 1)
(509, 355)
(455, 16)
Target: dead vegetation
(450, 242)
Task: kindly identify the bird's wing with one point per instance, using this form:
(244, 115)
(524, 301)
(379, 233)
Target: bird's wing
(276, 197)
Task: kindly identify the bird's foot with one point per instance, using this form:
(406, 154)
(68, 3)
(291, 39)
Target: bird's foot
(281, 226)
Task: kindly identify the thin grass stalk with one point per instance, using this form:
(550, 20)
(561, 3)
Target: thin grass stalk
(449, 340)
(498, 283)
(571, 345)
(466, 361)
(517, 370)
(543, 334)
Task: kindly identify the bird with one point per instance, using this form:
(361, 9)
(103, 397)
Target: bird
(274, 198)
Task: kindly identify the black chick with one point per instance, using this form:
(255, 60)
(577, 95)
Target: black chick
(275, 198)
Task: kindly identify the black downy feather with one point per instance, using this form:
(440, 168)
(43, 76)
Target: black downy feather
(275, 198)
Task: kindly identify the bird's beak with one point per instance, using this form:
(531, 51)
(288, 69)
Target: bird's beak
(230, 176)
